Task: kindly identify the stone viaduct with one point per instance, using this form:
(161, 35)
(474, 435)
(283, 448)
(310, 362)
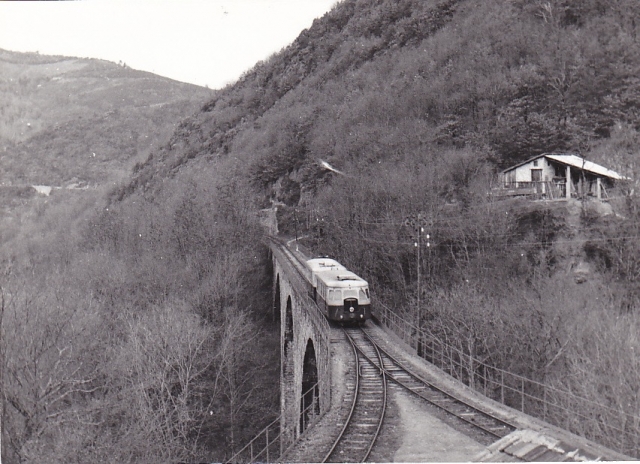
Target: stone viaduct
(305, 376)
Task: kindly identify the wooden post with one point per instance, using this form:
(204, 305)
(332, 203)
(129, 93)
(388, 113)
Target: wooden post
(599, 188)
(568, 189)
(580, 188)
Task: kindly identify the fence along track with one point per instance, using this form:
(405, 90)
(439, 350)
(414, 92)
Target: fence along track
(403, 376)
(362, 426)
(270, 443)
(556, 406)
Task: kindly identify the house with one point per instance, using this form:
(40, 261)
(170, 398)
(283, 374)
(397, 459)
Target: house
(558, 175)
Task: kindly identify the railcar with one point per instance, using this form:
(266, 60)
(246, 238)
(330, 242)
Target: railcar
(339, 293)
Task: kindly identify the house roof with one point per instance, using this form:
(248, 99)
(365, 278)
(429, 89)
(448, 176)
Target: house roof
(576, 162)
(533, 446)
(581, 163)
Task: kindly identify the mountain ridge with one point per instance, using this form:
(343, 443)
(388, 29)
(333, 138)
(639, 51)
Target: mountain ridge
(56, 112)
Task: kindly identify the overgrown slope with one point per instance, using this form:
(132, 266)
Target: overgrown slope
(418, 103)
(381, 81)
(140, 328)
(68, 119)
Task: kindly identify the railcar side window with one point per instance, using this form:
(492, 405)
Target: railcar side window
(363, 295)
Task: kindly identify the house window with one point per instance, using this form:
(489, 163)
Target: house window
(535, 163)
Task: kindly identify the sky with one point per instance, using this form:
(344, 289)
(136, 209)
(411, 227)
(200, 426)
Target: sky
(204, 42)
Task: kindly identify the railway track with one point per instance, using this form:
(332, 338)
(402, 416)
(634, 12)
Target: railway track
(362, 426)
(482, 421)
(375, 367)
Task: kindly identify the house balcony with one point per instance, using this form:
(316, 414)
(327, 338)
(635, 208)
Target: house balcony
(552, 189)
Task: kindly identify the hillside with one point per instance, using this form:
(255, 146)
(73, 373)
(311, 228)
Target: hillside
(82, 312)
(418, 103)
(70, 120)
(382, 81)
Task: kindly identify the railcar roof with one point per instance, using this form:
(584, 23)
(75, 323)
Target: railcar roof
(341, 278)
(319, 264)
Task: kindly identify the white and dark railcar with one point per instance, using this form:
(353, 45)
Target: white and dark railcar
(339, 293)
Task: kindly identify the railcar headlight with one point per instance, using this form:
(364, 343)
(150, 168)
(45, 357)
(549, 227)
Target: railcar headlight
(351, 309)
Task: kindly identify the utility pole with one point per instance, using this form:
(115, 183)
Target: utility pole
(418, 223)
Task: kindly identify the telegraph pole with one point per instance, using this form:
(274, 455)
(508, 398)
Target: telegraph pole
(418, 223)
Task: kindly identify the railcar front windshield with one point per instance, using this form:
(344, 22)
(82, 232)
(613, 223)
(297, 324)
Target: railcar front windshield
(350, 293)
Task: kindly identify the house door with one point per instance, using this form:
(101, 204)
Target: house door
(536, 179)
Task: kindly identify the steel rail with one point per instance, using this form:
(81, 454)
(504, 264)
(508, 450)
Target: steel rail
(295, 261)
(501, 427)
(353, 405)
(383, 374)
(355, 429)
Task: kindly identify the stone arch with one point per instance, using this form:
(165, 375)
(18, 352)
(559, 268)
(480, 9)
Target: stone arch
(309, 397)
(276, 301)
(288, 327)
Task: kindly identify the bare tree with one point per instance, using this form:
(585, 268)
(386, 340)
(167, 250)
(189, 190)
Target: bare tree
(155, 373)
(233, 381)
(47, 371)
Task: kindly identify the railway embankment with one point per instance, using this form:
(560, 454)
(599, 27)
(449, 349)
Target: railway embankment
(417, 431)
(454, 445)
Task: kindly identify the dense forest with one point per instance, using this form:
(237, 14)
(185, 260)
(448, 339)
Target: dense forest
(142, 332)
